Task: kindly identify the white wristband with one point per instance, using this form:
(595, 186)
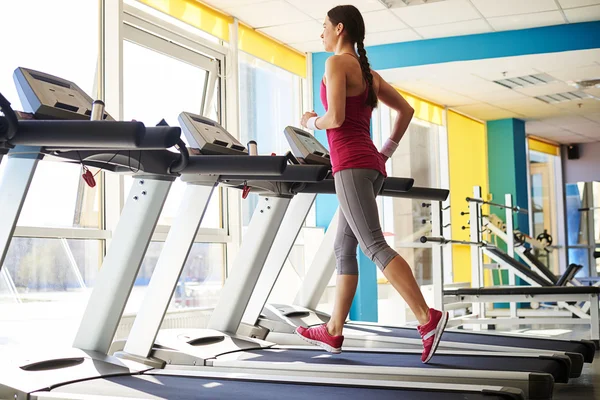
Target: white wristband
(389, 148)
(310, 124)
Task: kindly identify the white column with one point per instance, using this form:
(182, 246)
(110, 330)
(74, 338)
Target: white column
(111, 87)
(232, 121)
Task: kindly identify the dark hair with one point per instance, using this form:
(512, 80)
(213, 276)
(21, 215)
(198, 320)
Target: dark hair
(354, 25)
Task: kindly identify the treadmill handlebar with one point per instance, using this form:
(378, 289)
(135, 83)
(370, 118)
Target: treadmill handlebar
(117, 135)
(182, 161)
(160, 137)
(8, 123)
(248, 166)
(393, 187)
(397, 185)
(294, 174)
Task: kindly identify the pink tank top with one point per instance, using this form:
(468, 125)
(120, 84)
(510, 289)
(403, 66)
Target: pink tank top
(350, 145)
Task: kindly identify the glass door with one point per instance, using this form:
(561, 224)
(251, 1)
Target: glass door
(541, 196)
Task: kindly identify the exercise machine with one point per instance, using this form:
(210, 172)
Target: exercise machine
(222, 349)
(86, 369)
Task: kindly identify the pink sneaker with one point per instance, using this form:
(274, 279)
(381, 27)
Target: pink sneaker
(432, 332)
(319, 336)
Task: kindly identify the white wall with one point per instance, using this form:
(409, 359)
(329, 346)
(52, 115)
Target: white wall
(584, 169)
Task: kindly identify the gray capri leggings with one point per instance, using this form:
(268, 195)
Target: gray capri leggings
(356, 190)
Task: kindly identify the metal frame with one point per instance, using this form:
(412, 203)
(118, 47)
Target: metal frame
(561, 220)
(475, 237)
(20, 165)
(437, 256)
(478, 315)
(282, 245)
(240, 284)
(319, 273)
(168, 269)
(510, 246)
(121, 264)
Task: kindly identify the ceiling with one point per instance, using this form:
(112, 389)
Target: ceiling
(468, 87)
(298, 23)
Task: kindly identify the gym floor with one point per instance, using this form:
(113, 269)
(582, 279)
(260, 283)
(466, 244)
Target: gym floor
(587, 386)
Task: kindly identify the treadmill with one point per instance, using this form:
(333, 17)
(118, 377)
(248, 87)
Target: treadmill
(219, 347)
(129, 147)
(277, 322)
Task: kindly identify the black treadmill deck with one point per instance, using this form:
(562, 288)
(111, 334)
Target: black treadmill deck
(583, 347)
(180, 387)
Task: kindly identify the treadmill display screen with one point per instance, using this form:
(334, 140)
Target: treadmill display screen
(208, 136)
(205, 121)
(313, 146)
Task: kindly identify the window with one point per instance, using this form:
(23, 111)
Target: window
(404, 221)
(583, 216)
(200, 282)
(162, 79)
(270, 100)
(47, 279)
(183, 84)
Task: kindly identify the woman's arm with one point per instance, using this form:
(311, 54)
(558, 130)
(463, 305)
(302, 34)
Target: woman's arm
(390, 97)
(335, 76)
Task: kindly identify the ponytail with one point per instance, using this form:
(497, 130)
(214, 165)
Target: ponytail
(367, 75)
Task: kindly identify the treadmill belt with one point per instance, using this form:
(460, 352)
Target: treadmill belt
(558, 370)
(586, 348)
(179, 387)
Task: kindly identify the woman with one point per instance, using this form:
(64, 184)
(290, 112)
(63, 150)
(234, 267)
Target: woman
(349, 91)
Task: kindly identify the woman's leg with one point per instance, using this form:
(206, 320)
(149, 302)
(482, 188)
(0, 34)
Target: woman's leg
(356, 190)
(347, 275)
(400, 275)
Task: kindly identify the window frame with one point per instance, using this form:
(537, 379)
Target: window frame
(156, 34)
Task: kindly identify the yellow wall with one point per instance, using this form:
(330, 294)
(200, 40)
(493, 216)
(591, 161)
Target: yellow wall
(543, 146)
(196, 14)
(216, 23)
(261, 46)
(468, 165)
(424, 110)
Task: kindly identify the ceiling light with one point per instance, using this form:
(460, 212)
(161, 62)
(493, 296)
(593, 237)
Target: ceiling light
(586, 84)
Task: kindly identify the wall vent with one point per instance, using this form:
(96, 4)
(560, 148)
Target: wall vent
(525, 81)
(563, 97)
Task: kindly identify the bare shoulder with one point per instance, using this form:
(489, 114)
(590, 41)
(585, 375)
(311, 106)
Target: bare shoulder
(336, 62)
(376, 80)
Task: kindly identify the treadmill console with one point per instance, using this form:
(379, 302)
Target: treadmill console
(306, 147)
(50, 97)
(208, 136)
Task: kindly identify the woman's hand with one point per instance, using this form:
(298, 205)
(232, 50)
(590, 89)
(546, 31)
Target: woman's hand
(306, 117)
